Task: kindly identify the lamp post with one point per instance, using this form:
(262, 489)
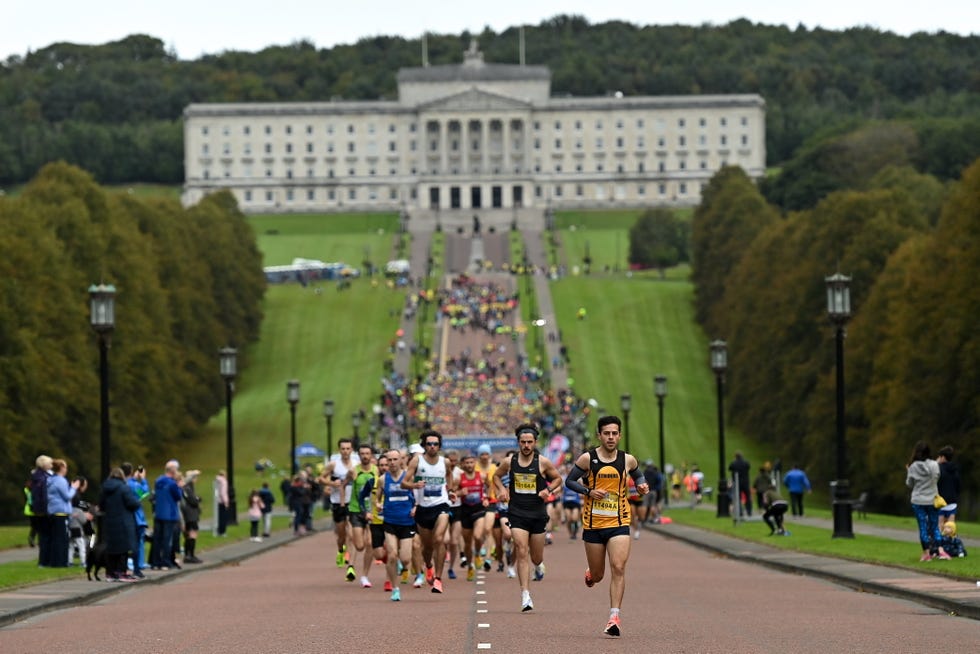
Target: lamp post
(292, 396)
(839, 311)
(102, 316)
(625, 402)
(228, 358)
(328, 414)
(660, 390)
(719, 364)
(355, 421)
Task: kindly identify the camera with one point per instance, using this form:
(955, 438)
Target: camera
(140, 469)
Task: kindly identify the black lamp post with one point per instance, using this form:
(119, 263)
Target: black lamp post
(719, 363)
(355, 421)
(102, 304)
(229, 370)
(839, 311)
(660, 390)
(328, 414)
(625, 402)
(292, 396)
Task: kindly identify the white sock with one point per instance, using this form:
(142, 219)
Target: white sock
(613, 613)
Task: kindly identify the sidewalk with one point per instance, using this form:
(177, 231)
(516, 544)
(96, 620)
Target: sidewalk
(959, 597)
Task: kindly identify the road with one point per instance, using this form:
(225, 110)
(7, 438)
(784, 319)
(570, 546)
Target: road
(679, 598)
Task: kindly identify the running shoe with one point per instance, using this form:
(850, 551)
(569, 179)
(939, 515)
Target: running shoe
(588, 578)
(365, 582)
(437, 585)
(612, 627)
(500, 566)
(340, 557)
(511, 572)
(547, 538)
(451, 573)
(487, 565)
(396, 595)
(526, 603)
(463, 561)
(430, 574)
(404, 573)
(539, 571)
(478, 561)
(470, 574)
(419, 580)
(388, 586)
(351, 573)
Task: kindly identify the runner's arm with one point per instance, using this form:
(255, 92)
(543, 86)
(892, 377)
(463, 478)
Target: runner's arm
(572, 483)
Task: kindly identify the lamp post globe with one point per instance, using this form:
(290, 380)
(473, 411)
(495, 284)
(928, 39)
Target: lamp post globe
(228, 367)
(328, 410)
(839, 312)
(102, 318)
(292, 396)
(719, 364)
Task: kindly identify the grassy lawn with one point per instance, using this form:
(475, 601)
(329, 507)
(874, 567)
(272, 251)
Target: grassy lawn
(815, 540)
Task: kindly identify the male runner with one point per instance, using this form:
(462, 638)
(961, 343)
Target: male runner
(336, 476)
(431, 475)
(398, 512)
(473, 507)
(365, 470)
(372, 503)
(606, 512)
(533, 478)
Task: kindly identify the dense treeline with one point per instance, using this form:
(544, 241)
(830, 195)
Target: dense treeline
(188, 282)
(912, 246)
(115, 109)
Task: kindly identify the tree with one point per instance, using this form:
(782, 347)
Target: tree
(658, 239)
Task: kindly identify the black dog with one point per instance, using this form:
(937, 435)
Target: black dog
(95, 558)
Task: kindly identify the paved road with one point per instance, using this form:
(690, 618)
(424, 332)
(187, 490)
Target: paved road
(680, 598)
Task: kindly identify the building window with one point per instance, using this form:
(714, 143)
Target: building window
(724, 140)
(330, 173)
(558, 191)
(309, 129)
(204, 131)
(578, 168)
(640, 144)
(331, 195)
(745, 121)
(289, 173)
(225, 131)
(598, 143)
(370, 128)
(557, 168)
(351, 172)
(248, 196)
(309, 172)
(329, 128)
(702, 122)
(704, 165)
(391, 128)
(411, 145)
(289, 195)
(207, 174)
(682, 141)
(352, 194)
(578, 124)
(662, 189)
(661, 142)
(702, 139)
(745, 139)
(639, 123)
(641, 189)
(598, 124)
(268, 196)
(579, 190)
(350, 147)
(350, 129)
(289, 129)
(289, 148)
(433, 146)
(723, 121)
(639, 167)
(371, 172)
(537, 126)
(682, 165)
(392, 172)
(268, 148)
(268, 129)
(537, 144)
(683, 188)
(268, 172)
(537, 191)
(247, 131)
(619, 168)
(680, 122)
(557, 125)
(330, 147)
(558, 144)
(204, 149)
(309, 148)
(661, 167)
(619, 142)
(598, 167)
(619, 123)
(392, 146)
(310, 194)
(412, 128)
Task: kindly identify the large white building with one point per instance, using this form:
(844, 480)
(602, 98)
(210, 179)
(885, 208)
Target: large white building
(468, 136)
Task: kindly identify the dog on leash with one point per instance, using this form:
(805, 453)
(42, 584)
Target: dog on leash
(95, 558)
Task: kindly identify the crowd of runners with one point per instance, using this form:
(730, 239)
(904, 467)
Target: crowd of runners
(426, 513)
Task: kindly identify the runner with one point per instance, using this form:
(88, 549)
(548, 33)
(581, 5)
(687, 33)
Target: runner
(364, 471)
(491, 521)
(336, 476)
(572, 503)
(454, 534)
(474, 502)
(372, 502)
(606, 512)
(398, 512)
(533, 478)
(431, 475)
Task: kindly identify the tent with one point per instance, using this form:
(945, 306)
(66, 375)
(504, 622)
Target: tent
(308, 449)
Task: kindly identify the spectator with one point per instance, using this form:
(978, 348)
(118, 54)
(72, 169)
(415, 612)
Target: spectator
(60, 493)
(118, 504)
(136, 480)
(190, 509)
(268, 499)
(40, 521)
(166, 509)
(796, 483)
(921, 476)
(221, 490)
(740, 473)
(774, 509)
(949, 485)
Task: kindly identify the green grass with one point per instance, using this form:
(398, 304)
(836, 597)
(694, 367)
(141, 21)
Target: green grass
(816, 540)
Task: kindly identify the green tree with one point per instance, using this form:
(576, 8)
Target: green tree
(658, 239)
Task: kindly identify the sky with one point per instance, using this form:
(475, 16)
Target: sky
(196, 27)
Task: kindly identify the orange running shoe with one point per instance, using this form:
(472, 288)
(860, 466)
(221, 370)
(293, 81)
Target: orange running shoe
(612, 627)
(436, 585)
(588, 578)
(387, 586)
(430, 574)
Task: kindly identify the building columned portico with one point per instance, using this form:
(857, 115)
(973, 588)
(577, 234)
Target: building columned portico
(470, 136)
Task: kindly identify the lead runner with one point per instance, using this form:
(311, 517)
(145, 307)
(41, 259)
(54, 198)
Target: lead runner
(606, 512)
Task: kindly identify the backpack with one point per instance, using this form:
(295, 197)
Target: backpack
(39, 492)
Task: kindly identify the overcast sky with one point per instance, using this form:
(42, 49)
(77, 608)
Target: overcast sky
(196, 27)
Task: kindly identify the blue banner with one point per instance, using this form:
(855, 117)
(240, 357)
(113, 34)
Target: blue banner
(470, 443)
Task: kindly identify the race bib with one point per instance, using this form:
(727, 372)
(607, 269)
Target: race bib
(607, 506)
(525, 483)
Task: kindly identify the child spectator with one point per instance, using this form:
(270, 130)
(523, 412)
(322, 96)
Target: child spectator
(255, 514)
(950, 542)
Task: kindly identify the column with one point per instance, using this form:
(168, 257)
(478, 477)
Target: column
(485, 145)
(443, 145)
